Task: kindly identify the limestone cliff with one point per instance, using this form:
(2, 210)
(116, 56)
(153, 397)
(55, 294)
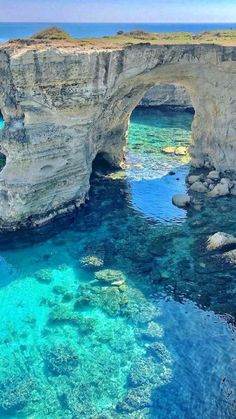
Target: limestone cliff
(167, 95)
(62, 106)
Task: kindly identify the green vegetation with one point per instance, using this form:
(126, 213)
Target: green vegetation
(121, 39)
(52, 34)
(213, 37)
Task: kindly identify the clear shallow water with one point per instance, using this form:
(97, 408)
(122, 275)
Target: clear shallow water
(162, 344)
(84, 30)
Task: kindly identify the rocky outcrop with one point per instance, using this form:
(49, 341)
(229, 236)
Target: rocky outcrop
(64, 105)
(169, 95)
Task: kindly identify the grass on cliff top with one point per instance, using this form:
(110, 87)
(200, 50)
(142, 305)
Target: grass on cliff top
(58, 37)
(51, 34)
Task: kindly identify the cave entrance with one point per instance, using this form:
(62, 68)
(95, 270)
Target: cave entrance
(101, 165)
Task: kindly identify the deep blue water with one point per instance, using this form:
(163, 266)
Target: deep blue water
(119, 311)
(84, 30)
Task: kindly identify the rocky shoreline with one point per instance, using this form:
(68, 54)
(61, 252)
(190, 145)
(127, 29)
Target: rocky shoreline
(213, 183)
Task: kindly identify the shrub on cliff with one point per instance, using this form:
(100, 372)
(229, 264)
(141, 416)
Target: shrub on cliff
(51, 34)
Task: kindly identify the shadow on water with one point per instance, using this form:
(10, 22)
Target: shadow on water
(140, 338)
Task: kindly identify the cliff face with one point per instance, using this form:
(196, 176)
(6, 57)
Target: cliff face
(62, 106)
(167, 95)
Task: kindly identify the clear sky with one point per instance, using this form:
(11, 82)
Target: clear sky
(118, 10)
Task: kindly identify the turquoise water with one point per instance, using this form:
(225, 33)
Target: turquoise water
(119, 311)
(84, 30)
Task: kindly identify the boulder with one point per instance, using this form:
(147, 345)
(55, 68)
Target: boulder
(198, 187)
(194, 178)
(181, 200)
(230, 256)
(221, 189)
(168, 150)
(110, 276)
(178, 151)
(181, 151)
(233, 190)
(220, 240)
(214, 175)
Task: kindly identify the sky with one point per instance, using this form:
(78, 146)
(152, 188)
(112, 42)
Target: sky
(118, 11)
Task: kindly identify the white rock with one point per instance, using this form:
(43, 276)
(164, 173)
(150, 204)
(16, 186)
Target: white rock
(221, 189)
(194, 178)
(181, 200)
(198, 187)
(226, 181)
(233, 190)
(214, 175)
(219, 240)
(231, 256)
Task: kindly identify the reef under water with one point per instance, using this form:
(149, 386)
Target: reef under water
(120, 311)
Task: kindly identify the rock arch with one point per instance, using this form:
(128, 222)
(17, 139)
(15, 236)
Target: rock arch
(62, 106)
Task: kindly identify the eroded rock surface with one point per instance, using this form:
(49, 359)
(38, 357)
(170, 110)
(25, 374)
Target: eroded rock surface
(167, 95)
(63, 106)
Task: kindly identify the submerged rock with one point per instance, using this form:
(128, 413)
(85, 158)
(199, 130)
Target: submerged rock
(143, 372)
(181, 200)
(61, 360)
(111, 277)
(15, 392)
(220, 240)
(44, 276)
(178, 151)
(153, 332)
(91, 262)
(137, 398)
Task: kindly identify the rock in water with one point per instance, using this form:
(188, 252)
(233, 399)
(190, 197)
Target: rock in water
(213, 175)
(220, 240)
(230, 256)
(181, 200)
(194, 178)
(198, 187)
(221, 189)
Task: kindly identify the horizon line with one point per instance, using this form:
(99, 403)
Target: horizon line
(146, 23)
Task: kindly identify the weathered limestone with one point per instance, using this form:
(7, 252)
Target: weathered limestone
(62, 106)
(171, 95)
(181, 200)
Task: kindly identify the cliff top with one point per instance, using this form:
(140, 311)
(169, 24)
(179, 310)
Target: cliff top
(55, 37)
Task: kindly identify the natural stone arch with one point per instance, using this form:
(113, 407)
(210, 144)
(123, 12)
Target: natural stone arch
(63, 106)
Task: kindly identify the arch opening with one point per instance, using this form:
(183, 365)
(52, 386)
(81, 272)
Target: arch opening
(172, 104)
(157, 157)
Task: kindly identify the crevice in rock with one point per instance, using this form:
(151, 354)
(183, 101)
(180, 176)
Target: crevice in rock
(101, 165)
(3, 161)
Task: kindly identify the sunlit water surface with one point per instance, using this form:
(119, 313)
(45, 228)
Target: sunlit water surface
(160, 341)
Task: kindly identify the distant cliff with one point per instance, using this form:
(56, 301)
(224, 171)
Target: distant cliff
(167, 95)
(63, 105)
